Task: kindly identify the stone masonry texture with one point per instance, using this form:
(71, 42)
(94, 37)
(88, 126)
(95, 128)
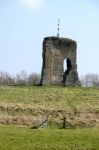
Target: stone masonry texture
(55, 51)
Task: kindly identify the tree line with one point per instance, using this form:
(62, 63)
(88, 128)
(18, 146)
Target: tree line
(90, 80)
(22, 78)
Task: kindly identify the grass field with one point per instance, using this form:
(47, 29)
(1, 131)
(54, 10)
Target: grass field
(18, 138)
(54, 97)
(21, 106)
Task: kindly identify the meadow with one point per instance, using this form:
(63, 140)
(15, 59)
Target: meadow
(19, 138)
(21, 106)
(50, 97)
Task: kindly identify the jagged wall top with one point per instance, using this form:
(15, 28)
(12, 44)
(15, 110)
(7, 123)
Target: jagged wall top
(61, 41)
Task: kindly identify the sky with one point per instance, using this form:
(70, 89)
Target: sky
(25, 23)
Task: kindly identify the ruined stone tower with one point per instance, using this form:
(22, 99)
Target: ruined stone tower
(56, 51)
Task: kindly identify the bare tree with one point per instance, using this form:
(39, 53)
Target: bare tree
(90, 80)
(34, 79)
(22, 78)
(6, 78)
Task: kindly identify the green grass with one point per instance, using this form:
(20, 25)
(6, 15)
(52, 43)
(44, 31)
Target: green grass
(18, 105)
(18, 138)
(50, 96)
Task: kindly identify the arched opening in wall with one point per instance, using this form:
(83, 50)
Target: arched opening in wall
(67, 65)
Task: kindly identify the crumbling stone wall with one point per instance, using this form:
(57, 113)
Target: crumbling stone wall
(55, 51)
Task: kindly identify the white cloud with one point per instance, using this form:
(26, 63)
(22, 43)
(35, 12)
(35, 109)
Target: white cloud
(33, 4)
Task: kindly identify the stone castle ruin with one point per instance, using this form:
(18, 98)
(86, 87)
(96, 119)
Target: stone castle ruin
(57, 54)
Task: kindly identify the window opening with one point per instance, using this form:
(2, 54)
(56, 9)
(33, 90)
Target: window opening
(67, 67)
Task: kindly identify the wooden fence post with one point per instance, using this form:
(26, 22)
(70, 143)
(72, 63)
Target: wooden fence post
(64, 122)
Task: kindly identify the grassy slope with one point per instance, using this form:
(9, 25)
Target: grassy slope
(15, 138)
(22, 103)
(54, 97)
(25, 101)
